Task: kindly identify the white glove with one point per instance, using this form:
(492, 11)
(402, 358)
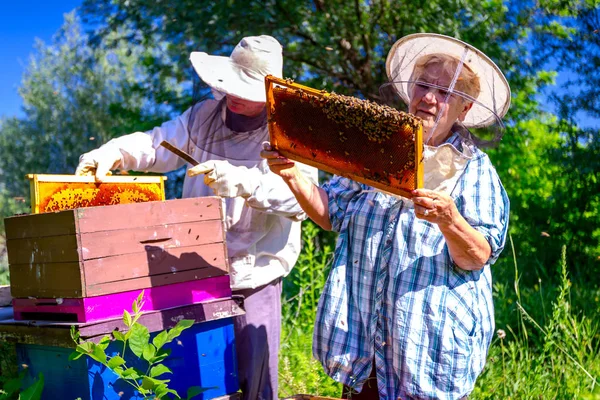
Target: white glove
(224, 179)
(99, 162)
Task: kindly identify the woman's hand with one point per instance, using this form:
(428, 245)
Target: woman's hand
(468, 247)
(279, 164)
(435, 207)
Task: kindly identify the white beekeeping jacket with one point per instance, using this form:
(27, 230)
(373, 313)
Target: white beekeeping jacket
(263, 231)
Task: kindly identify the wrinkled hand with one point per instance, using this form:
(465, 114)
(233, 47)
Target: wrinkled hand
(278, 164)
(435, 207)
(224, 179)
(99, 162)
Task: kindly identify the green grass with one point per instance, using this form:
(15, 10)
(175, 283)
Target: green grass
(545, 347)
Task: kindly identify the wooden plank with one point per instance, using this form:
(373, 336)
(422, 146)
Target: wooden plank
(126, 216)
(46, 280)
(91, 179)
(50, 333)
(152, 281)
(167, 318)
(5, 296)
(31, 334)
(155, 260)
(138, 239)
(48, 249)
(40, 225)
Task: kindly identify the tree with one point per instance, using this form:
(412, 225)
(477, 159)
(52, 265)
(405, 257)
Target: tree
(341, 46)
(75, 98)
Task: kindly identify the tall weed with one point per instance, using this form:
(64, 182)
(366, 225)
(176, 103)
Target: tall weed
(299, 372)
(555, 359)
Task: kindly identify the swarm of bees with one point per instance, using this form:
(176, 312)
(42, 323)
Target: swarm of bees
(345, 135)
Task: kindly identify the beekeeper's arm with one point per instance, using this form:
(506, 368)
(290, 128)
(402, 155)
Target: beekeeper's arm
(139, 151)
(262, 189)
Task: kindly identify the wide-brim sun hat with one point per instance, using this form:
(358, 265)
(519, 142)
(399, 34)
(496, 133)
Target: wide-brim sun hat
(242, 74)
(493, 100)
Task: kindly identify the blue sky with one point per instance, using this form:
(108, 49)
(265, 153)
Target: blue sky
(21, 21)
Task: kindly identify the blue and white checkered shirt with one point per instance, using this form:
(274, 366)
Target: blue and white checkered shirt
(395, 296)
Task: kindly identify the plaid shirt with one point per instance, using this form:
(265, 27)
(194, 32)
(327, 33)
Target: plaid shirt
(395, 296)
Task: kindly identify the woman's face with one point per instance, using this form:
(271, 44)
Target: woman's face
(244, 107)
(427, 102)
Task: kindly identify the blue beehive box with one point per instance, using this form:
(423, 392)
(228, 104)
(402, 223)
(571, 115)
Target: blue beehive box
(203, 355)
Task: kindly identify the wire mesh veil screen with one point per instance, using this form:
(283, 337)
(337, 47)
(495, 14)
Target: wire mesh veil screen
(359, 139)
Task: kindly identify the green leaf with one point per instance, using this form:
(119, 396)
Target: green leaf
(174, 392)
(161, 355)
(75, 355)
(177, 329)
(148, 383)
(127, 318)
(104, 342)
(161, 391)
(118, 336)
(160, 339)
(158, 370)
(34, 392)
(12, 386)
(139, 339)
(75, 334)
(115, 362)
(134, 306)
(131, 373)
(119, 371)
(85, 347)
(98, 354)
(196, 390)
(149, 351)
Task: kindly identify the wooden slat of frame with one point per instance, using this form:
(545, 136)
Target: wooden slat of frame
(91, 179)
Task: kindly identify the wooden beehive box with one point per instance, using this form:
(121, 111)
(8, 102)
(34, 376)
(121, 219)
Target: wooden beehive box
(97, 251)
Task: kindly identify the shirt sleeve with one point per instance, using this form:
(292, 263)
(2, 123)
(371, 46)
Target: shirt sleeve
(340, 192)
(271, 194)
(484, 204)
(141, 151)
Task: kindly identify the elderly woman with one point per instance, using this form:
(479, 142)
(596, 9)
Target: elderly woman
(407, 310)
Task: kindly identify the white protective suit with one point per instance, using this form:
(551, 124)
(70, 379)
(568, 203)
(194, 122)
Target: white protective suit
(263, 230)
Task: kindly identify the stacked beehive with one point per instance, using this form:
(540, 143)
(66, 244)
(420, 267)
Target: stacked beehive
(85, 266)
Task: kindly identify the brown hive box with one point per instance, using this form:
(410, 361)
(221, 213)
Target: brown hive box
(101, 250)
(65, 192)
(359, 139)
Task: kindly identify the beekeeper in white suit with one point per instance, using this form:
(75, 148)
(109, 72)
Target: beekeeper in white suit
(226, 136)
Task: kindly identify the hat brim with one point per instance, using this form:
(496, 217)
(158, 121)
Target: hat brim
(225, 76)
(493, 100)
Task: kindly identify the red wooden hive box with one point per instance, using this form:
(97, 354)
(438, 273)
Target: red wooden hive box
(97, 251)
